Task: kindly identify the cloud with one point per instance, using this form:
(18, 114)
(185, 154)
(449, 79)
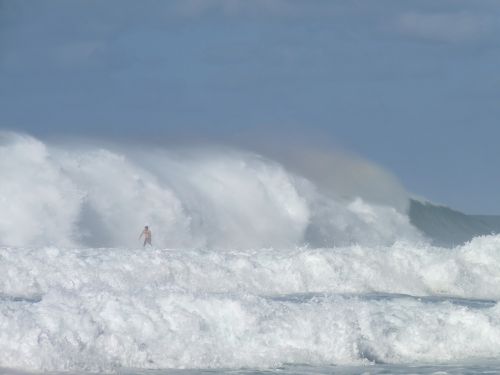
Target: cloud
(445, 27)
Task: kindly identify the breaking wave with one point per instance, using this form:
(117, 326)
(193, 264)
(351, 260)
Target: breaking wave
(88, 196)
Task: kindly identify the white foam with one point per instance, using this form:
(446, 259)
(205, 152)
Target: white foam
(56, 195)
(471, 271)
(38, 202)
(102, 309)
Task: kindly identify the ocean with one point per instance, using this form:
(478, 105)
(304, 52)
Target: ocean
(253, 270)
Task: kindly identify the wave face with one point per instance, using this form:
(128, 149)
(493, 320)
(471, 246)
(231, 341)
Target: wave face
(84, 196)
(105, 309)
(447, 227)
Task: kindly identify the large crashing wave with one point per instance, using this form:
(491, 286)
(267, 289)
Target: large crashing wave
(85, 196)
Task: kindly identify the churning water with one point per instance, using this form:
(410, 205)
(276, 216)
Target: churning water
(254, 270)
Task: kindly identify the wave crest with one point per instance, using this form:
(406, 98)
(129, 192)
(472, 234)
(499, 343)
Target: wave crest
(87, 196)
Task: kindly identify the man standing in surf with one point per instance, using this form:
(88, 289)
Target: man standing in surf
(147, 236)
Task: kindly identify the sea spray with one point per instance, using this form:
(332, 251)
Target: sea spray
(91, 196)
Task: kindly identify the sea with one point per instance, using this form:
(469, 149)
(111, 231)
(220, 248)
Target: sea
(255, 268)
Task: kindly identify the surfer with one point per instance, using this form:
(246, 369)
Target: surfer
(147, 236)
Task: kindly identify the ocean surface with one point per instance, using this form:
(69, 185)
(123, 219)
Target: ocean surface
(254, 270)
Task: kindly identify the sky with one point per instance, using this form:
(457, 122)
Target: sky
(413, 86)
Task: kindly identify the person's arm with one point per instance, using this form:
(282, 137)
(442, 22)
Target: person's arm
(142, 234)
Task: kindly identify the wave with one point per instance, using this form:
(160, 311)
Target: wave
(209, 331)
(88, 196)
(104, 309)
(470, 271)
(447, 227)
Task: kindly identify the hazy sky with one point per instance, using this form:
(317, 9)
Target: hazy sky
(411, 85)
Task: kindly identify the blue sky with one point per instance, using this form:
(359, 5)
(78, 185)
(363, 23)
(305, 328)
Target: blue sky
(411, 85)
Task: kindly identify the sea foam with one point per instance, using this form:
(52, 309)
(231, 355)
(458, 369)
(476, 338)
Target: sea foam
(103, 309)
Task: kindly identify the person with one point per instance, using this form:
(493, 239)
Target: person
(147, 236)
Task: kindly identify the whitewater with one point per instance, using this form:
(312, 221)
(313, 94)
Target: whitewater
(256, 267)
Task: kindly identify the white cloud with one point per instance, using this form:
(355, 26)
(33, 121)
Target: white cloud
(445, 27)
